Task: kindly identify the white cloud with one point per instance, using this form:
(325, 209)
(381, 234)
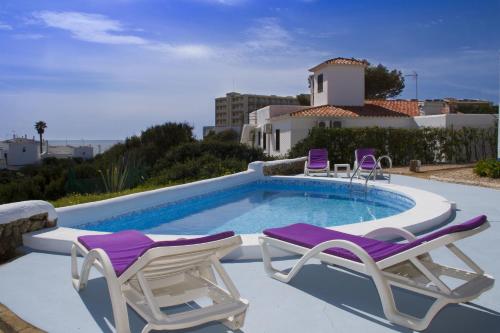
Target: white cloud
(96, 28)
(268, 33)
(5, 26)
(89, 27)
(184, 50)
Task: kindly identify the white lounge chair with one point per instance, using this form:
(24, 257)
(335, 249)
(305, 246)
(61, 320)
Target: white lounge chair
(405, 265)
(152, 275)
(317, 161)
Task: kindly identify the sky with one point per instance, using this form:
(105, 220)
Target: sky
(107, 69)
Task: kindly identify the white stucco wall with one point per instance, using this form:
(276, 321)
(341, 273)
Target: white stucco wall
(84, 152)
(23, 153)
(456, 120)
(284, 126)
(342, 85)
(292, 130)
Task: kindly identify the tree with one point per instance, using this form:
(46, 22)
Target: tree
(380, 83)
(40, 127)
(228, 135)
(304, 99)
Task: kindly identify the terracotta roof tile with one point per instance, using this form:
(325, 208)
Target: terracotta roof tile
(372, 108)
(341, 61)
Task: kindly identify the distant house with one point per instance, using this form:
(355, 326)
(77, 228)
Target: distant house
(67, 151)
(338, 100)
(451, 105)
(20, 151)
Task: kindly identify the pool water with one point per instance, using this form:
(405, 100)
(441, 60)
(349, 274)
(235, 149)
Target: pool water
(253, 207)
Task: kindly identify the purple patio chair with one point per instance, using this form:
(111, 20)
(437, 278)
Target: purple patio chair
(149, 275)
(366, 165)
(406, 265)
(317, 161)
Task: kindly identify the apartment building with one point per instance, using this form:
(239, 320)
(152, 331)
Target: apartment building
(233, 109)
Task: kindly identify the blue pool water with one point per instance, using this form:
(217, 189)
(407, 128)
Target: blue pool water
(253, 207)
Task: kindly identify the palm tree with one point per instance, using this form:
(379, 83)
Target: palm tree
(40, 127)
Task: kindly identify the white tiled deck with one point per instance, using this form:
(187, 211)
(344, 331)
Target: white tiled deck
(38, 288)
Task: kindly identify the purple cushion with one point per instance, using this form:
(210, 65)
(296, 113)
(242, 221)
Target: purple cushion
(369, 163)
(125, 247)
(317, 159)
(309, 236)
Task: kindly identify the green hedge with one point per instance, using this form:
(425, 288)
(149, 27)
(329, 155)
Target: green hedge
(488, 168)
(430, 145)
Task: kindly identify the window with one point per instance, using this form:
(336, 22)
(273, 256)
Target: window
(259, 134)
(24, 149)
(277, 139)
(335, 124)
(321, 124)
(264, 137)
(320, 83)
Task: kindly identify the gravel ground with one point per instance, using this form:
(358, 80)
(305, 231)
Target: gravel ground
(453, 173)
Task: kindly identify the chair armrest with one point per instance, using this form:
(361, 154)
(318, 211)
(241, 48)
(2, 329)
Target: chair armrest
(391, 232)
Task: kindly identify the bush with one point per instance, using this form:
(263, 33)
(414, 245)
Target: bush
(488, 168)
(430, 145)
(203, 167)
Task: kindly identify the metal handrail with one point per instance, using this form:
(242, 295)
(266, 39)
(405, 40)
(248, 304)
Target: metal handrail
(359, 165)
(377, 163)
(375, 168)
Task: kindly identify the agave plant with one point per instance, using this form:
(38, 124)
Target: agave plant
(115, 177)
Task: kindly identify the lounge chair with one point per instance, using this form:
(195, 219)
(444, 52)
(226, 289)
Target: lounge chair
(405, 265)
(365, 158)
(317, 161)
(151, 275)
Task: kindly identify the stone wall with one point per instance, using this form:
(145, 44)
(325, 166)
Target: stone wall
(11, 233)
(284, 167)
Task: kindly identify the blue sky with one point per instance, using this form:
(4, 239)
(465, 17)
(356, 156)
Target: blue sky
(98, 69)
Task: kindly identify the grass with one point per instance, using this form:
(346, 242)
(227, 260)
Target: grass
(75, 198)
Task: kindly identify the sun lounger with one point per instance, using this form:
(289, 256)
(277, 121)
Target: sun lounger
(151, 275)
(405, 265)
(365, 158)
(317, 161)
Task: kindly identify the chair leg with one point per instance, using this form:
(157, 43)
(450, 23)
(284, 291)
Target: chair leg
(118, 303)
(236, 322)
(147, 328)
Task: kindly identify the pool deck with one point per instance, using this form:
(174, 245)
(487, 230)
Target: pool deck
(38, 288)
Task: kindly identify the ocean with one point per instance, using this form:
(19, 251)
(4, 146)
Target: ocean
(100, 146)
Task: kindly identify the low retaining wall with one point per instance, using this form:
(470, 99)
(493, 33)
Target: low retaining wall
(284, 167)
(11, 233)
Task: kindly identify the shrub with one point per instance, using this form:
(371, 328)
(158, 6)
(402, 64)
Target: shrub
(430, 145)
(488, 168)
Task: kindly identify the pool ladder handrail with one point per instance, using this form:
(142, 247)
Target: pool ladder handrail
(359, 166)
(375, 166)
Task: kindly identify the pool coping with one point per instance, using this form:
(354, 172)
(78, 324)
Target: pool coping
(430, 211)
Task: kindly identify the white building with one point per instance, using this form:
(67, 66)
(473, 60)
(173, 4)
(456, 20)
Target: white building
(84, 152)
(18, 152)
(337, 100)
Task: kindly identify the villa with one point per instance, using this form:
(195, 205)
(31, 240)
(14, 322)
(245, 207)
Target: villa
(338, 100)
(21, 151)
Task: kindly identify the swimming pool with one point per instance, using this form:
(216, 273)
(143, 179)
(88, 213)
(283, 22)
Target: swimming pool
(255, 206)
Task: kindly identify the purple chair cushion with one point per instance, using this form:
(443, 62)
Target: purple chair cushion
(318, 159)
(125, 247)
(309, 236)
(369, 163)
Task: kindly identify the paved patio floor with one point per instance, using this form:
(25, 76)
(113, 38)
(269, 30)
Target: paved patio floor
(38, 288)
